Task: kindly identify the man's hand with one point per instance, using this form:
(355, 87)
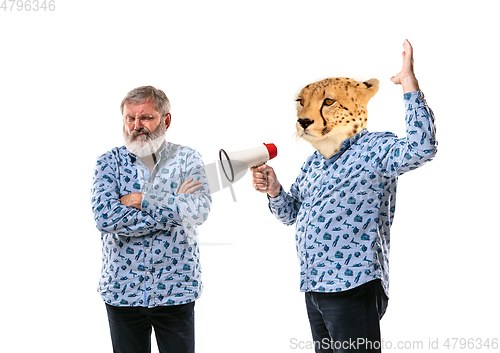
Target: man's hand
(132, 200)
(135, 199)
(406, 77)
(265, 183)
(189, 186)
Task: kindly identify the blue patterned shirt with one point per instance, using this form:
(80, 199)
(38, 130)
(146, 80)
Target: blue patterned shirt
(343, 207)
(150, 256)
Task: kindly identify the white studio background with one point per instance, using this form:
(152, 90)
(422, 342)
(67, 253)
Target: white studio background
(232, 71)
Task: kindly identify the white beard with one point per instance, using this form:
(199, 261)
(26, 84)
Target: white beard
(146, 144)
(143, 145)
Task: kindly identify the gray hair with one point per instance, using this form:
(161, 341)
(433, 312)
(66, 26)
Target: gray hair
(143, 94)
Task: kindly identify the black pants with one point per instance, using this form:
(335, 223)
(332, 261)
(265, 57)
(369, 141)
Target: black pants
(347, 321)
(131, 328)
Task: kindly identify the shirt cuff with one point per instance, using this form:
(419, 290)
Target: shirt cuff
(415, 97)
(278, 200)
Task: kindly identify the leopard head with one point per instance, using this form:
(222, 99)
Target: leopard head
(333, 110)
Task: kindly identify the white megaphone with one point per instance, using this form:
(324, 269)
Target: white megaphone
(235, 162)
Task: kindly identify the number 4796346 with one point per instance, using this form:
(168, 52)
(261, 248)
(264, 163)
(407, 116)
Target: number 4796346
(28, 5)
(471, 343)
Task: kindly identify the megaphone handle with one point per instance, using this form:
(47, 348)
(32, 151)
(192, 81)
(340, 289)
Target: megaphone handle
(265, 175)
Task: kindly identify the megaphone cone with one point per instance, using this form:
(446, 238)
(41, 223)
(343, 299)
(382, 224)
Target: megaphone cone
(235, 162)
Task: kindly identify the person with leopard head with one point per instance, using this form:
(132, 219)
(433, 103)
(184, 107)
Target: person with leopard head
(343, 203)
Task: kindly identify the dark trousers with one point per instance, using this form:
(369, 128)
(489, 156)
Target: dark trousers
(131, 328)
(349, 320)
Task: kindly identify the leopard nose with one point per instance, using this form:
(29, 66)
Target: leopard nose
(305, 123)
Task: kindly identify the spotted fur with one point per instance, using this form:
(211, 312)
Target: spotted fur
(332, 110)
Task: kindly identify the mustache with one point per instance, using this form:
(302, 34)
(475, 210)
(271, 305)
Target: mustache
(142, 130)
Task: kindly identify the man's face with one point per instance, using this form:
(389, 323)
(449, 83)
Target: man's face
(143, 128)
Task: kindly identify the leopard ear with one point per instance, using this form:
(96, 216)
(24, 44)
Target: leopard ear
(372, 83)
(371, 88)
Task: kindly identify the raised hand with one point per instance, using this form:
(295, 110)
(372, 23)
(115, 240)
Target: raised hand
(406, 77)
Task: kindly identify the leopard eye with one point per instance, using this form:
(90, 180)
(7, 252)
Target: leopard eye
(301, 102)
(329, 101)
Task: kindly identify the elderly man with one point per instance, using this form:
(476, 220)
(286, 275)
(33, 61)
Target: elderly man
(148, 197)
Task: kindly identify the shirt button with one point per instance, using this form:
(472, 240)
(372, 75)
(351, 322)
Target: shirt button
(148, 273)
(147, 250)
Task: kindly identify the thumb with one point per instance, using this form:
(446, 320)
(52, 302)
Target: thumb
(396, 79)
(262, 167)
(267, 168)
(256, 168)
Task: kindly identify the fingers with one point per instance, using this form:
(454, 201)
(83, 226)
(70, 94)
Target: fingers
(259, 181)
(260, 177)
(407, 69)
(261, 168)
(189, 186)
(407, 56)
(407, 47)
(264, 180)
(132, 200)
